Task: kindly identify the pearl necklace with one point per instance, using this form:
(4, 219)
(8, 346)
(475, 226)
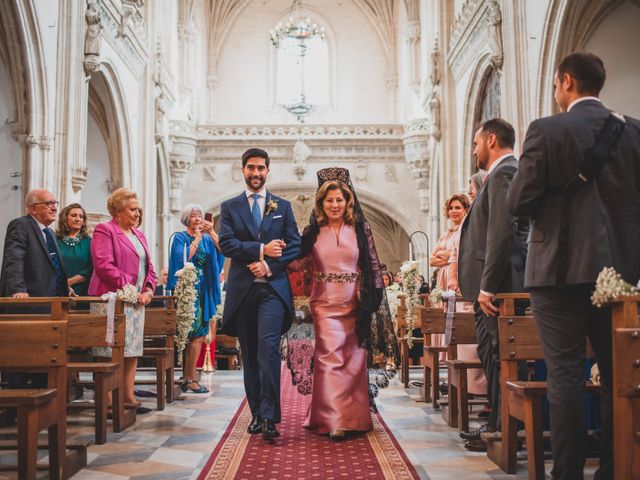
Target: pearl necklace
(70, 241)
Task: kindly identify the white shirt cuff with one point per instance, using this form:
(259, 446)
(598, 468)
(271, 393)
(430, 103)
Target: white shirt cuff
(262, 252)
(266, 265)
(488, 294)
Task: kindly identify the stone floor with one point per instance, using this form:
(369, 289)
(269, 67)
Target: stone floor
(176, 443)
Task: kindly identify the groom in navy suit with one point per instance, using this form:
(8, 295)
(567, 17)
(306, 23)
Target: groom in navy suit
(259, 234)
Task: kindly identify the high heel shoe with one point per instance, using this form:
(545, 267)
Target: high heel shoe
(187, 389)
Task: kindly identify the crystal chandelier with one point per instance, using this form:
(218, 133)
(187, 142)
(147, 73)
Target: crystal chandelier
(301, 30)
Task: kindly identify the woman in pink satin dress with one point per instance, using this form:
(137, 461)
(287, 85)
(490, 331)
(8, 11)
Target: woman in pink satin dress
(340, 393)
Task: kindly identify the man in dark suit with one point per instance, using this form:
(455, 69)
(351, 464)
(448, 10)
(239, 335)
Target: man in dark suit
(258, 233)
(572, 238)
(491, 256)
(32, 265)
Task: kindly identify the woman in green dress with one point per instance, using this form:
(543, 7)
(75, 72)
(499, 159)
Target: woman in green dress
(74, 244)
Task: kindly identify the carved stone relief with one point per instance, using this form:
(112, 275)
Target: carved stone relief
(494, 24)
(92, 38)
(209, 172)
(390, 173)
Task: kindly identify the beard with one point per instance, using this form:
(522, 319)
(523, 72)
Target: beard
(248, 181)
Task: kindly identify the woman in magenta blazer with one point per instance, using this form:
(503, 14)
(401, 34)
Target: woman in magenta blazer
(121, 256)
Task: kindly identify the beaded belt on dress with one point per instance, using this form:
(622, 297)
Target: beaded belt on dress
(336, 277)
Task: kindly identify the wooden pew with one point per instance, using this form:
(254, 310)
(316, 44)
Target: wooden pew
(159, 335)
(233, 359)
(625, 325)
(501, 446)
(88, 330)
(520, 401)
(432, 322)
(463, 332)
(37, 343)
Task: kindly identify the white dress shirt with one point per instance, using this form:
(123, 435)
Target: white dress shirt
(262, 199)
(582, 99)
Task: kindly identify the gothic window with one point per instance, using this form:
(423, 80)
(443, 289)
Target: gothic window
(488, 105)
(308, 72)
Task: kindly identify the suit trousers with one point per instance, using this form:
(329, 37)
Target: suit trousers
(565, 318)
(259, 325)
(489, 354)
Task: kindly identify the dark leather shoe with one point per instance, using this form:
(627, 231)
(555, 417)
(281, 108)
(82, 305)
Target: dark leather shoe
(476, 434)
(255, 426)
(476, 445)
(269, 429)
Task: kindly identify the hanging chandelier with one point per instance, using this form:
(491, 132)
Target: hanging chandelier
(300, 30)
(297, 27)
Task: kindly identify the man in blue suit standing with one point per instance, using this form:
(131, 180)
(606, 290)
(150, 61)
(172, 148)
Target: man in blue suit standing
(258, 232)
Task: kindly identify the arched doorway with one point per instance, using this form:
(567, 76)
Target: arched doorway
(107, 153)
(612, 40)
(606, 27)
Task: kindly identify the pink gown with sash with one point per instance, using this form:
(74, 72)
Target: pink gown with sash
(339, 399)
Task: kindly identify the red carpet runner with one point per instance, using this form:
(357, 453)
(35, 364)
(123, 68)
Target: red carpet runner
(300, 454)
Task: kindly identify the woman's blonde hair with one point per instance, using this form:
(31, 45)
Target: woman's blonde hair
(321, 194)
(462, 198)
(118, 199)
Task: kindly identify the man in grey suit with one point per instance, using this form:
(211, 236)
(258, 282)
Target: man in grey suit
(572, 238)
(492, 255)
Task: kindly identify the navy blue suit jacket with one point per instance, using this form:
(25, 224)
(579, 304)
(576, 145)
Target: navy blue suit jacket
(239, 241)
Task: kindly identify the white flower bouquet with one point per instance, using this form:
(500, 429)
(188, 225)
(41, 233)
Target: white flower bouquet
(128, 294)
(185, 293)
(392, 297)
(610, 285)
(410, 273)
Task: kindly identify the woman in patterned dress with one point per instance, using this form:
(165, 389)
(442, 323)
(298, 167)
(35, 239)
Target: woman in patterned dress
(197, 244)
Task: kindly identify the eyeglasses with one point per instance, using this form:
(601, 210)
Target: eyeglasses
(50, 203)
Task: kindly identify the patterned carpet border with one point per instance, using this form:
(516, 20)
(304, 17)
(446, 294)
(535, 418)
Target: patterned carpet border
(225, 460)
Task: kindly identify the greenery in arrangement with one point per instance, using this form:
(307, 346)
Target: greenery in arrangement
(410, 273)
(610, 285)
(185, 293)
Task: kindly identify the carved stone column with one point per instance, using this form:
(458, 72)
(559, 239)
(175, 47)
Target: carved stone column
(181, 159)
(412, 37)
(416, 141)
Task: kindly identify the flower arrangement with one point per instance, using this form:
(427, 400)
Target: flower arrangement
(610, 285)
(128, 294)
(185, 292)
(271, 206)
(392, 297)
(409, 271)
(435, 296)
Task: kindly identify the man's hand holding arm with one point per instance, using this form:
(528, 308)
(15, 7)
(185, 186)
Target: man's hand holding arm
(291, 242)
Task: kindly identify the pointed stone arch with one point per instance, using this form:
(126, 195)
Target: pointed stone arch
(21, 51)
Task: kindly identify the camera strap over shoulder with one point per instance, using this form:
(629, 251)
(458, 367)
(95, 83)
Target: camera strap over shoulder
(594, 159)
(597, 155)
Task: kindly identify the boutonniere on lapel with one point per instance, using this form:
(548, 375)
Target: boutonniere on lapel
(271, 207)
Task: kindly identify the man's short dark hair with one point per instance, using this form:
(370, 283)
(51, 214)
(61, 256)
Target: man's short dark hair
(587, 70)
(255, 152)
(503, 131)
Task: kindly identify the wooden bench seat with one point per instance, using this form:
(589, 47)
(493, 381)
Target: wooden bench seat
(36, 346)
(87, 330)
(159, 332)
(432, 322)
(24, 396)
(462, 328)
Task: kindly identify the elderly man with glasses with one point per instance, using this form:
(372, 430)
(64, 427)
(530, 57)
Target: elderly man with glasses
(32, 265)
